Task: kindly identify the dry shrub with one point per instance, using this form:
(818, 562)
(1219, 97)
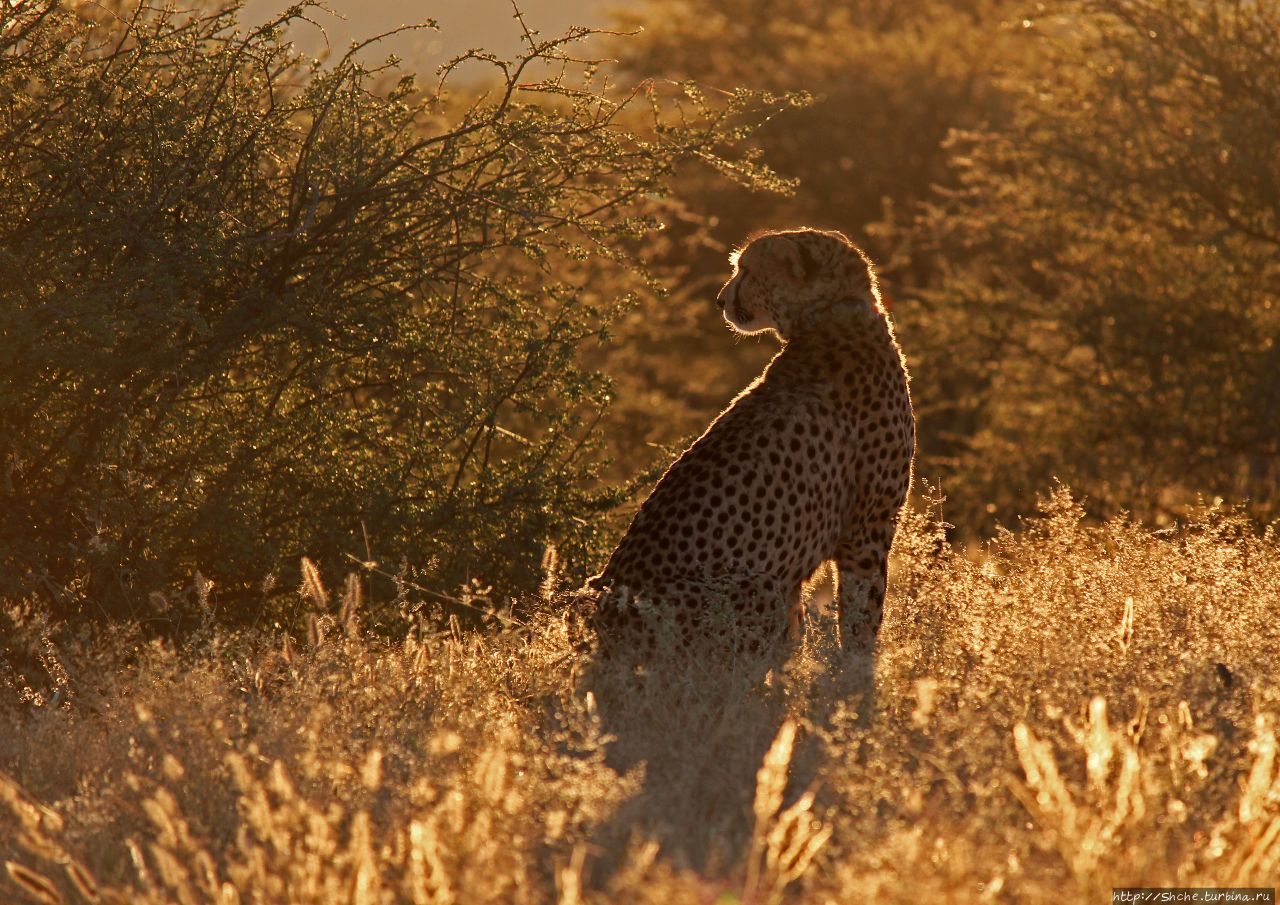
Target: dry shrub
(1074, 707)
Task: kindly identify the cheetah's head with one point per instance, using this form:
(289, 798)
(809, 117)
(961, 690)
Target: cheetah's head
(791, 281)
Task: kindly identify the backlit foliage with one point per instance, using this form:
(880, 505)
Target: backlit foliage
(1109, 311)
(254, 307)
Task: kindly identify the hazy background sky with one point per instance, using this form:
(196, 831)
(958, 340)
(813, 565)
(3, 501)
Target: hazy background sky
(463, 24)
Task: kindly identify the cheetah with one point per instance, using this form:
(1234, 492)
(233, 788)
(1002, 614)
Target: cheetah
(811, 462)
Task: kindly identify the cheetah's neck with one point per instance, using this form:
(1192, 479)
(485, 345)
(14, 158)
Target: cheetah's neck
(836, 353)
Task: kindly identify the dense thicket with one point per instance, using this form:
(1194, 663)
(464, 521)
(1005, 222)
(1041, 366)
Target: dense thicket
(1111, 288)
(254, 307)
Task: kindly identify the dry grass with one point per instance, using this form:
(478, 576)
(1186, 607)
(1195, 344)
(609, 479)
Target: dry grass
(1076, 708)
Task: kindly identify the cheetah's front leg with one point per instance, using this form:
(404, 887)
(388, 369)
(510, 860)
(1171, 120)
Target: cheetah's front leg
(862, 562)
(795, 614)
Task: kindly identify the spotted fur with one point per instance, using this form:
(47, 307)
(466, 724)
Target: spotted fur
(812, 462)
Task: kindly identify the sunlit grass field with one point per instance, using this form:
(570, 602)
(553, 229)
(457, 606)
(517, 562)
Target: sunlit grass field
(263, 300)
(1068, 709)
